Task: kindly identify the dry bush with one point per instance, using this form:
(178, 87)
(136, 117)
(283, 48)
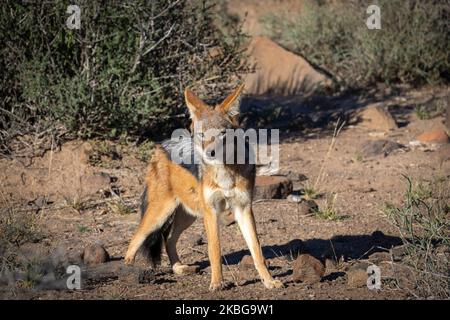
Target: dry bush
(123, 72)
(423, 221)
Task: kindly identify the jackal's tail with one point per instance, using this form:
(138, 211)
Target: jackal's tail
(152, 246)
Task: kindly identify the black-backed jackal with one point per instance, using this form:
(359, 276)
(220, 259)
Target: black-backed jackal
(176, 194)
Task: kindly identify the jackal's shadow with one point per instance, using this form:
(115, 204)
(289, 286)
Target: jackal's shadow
(347, 246)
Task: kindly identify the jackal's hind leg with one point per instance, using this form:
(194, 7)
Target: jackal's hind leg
(181, 222)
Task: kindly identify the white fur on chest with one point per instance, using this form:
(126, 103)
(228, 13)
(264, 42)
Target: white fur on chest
(224, 179)
(226, 196)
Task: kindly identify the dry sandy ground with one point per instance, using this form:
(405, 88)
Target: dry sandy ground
(362, 186)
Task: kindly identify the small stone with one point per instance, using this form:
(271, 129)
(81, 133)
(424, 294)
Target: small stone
(294, 198)
(398, 252)
(307, 207)
(95, 254)
(377, 118)
(215, 51)
(246, 262)
(307, 269)
(295, 176)
(379, 257)
(434, 136)
(272, 187)
(357, 276)
(379, 147)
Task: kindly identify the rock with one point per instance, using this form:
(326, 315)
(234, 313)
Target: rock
(357, 276)
(246, 262)
(373, 148)
(307, 269)
(398, 252)
(294, 176)
(280, 71)
(215, 51)
(379, 257)
(95, 254)
(376, 117)
(294, 198)
(306, 207)
(272, 187)
(433, 136)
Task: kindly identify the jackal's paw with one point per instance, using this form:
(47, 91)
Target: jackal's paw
(184, 269)
(272, 283)
(129, 260)
(216, 286)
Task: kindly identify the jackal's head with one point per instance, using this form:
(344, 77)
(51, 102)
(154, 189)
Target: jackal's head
(211, 125)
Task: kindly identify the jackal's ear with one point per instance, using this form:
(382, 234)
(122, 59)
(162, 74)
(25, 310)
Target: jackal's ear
(194, 104)
(231, 105)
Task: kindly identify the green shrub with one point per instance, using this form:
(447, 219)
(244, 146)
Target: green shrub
(123, 71)
(412, 47)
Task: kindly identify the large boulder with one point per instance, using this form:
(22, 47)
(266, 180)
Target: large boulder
(279, 71)
(272, 187)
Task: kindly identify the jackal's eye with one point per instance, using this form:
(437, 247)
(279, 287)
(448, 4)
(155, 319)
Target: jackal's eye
(201, 135)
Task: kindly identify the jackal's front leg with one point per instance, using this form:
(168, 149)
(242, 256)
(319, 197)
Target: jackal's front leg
(245, 219)
(214, 251)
